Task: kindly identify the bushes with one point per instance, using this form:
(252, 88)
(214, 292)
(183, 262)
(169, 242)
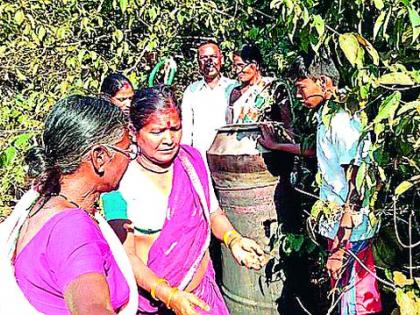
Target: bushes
(49, 49)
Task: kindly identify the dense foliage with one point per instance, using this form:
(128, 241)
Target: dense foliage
(51, 48)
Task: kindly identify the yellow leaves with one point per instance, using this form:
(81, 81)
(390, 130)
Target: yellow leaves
(327, 208)
(369, 48)
(401, 280)
(19, 17)
(388, 107)
(41, 33)
(350, 46)
(399, 78)
(403, 187)
(378, 4)
(353, 45)
(408, 303)
(319, 24)
(407, 300)
(119, 35)
(378, 24)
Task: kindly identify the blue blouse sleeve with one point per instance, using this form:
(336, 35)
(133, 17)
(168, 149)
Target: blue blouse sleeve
(114, 205)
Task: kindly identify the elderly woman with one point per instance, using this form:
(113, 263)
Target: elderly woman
(62, 262)
(119, 90)
(167, 196)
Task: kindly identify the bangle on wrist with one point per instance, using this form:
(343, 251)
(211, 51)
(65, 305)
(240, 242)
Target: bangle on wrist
(155, 285)
(229, 236)
(174, 291)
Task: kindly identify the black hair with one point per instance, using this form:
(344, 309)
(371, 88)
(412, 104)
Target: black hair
(149, 100)
(113, 83)
(250, 53)
(71, 128)
(313, 66)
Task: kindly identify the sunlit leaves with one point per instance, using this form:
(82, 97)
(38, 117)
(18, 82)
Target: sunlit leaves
(350, 46)
(369, 48)
(378, 4)
(399, 78)
(388, 107)
(378, 24)
(19, 17)
(123, 5)
(403, 187)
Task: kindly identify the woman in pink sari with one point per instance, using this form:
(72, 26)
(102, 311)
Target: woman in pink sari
(167, 197)
(62, 261)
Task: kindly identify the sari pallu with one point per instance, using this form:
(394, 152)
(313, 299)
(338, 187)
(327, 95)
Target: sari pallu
(185, 236)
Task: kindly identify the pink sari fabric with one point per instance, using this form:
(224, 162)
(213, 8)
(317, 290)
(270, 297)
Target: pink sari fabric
(358, 286)
(184, 239)
(69, 245)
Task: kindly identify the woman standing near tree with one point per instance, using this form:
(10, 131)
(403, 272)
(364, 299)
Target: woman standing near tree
(165, 193)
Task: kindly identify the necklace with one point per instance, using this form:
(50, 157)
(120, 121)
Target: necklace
(91, 215)
(153, 170)
(69, 201)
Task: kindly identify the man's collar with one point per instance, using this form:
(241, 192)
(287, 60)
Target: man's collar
(219, 83)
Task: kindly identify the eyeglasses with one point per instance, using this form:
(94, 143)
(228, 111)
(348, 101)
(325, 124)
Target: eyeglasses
(130, 153)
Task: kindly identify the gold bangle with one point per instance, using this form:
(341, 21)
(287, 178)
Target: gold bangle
(174, 291)
(155, 285)
(229, 235)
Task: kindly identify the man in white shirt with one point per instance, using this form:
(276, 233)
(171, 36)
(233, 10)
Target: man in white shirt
(205, 101)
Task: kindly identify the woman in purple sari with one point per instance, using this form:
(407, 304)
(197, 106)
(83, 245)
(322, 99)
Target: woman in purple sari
(166, 196)
(62, 261)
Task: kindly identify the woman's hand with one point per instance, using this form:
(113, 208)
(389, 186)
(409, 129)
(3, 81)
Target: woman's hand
(184, 303)
(247, 253)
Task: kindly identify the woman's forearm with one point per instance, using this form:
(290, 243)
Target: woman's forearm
(145, 277)
(220, 224)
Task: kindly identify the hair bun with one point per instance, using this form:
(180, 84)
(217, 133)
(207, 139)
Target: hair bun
(37, 161)
(46, 175)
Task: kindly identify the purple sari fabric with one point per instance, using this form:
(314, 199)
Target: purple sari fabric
(184, 239)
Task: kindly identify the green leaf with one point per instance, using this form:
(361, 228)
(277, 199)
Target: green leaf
(378, 128)
(403, 187)
(153, 13)
(388, 16)
(19, 17)
(317, 209)
(7, 156)
(378, 24)
(319, 24)
(21, 140)
(409, 106)
(378, 4)
(360, 177)
(388, 107)
(415, 22)
(350, 46)
(41, 33)
(123, 5)
(20, 75)
(180, 17)
(399, 78)
(370, 49)
(382, 173)
(119, 35)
